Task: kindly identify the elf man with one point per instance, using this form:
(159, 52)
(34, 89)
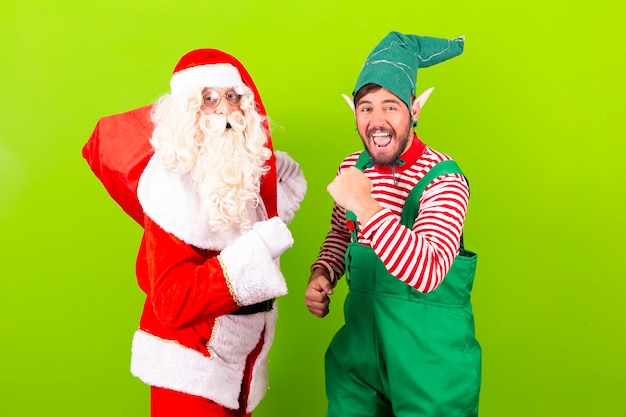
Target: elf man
(214, 199)
(407, 348)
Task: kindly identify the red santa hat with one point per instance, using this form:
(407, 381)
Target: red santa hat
(119, 148)
(205, 68)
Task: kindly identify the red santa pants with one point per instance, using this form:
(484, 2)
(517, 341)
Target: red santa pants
(169, 403)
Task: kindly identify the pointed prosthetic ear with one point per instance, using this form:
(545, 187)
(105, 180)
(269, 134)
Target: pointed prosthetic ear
(421, 100)
(349, 101)
(418, 104)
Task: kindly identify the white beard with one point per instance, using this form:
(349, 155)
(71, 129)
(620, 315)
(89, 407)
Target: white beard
(171, 200)
(213, 176)
(228, 169)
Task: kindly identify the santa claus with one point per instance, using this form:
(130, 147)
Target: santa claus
(214, 199)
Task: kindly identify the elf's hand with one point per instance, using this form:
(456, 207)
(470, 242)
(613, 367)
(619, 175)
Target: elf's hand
(316, 296)
(351, 189)
(275, 234)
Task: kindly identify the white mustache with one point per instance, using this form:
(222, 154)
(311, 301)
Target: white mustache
(216, 124)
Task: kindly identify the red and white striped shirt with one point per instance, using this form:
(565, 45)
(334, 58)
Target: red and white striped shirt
(420, 256)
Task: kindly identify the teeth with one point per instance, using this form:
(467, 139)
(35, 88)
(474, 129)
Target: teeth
(381, 139)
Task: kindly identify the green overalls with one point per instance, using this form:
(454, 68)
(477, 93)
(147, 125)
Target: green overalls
(403, 353)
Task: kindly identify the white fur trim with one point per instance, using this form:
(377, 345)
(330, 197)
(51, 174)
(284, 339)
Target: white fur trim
(253, 275)
(260, 375)
(171, 201)
(214, 75)
(165, 363)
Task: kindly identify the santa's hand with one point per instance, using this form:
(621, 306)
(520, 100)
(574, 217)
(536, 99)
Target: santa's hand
(286, 166)
(275, 234)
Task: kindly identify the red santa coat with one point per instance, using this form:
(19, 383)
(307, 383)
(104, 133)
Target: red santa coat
(187, 341)
(192, 278)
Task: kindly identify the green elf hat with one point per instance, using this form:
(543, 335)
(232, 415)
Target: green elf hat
(394, 62)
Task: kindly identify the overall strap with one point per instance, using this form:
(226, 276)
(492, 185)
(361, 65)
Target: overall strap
(361, 163)
(363, 160)
(411, 204)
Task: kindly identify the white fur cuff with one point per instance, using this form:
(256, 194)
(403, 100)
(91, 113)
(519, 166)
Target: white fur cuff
(253, 275)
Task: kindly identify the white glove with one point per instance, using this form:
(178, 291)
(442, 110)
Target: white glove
(286, 166)
(275, 234)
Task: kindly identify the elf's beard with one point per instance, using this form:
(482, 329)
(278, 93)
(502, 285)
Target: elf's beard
(229, 164)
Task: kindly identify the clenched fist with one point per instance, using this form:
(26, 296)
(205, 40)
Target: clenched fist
(351, 189)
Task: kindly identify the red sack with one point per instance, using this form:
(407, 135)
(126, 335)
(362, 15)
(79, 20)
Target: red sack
(118, 151)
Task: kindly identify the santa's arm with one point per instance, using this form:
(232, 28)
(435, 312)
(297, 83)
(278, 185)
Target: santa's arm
(186, 288)
(292, 186)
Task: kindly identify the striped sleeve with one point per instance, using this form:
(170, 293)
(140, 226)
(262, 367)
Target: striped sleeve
(332, 253)
(421, 257)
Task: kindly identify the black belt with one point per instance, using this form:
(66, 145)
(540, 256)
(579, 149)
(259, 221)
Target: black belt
(261, 307)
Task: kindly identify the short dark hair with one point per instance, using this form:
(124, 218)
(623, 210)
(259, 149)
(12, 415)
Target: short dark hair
(366, 89)
(371, 88)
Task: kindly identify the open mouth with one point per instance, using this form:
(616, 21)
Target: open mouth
(381, 139)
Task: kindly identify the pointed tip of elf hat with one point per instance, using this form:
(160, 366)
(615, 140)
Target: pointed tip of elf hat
(430, 51)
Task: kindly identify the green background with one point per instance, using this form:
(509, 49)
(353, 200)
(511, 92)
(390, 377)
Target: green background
(533, 111)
